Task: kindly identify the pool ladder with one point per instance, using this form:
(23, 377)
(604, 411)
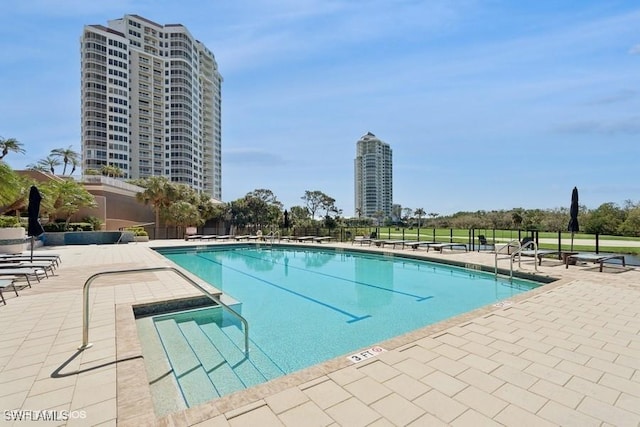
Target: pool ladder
(87, 285)
(272, 236)
(520, 248)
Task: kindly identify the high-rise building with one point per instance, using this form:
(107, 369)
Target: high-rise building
(151, 103)
(373, 177)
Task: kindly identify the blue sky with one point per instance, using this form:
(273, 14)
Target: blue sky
(488, 104)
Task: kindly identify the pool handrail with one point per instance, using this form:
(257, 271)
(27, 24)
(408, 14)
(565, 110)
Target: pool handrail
(512, 243)
(87, 285)
(520, 249)
(272, 234)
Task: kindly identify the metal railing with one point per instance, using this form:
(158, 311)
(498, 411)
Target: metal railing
(87, 285)
(512, 243)
(272, 236)
(519, 253)
(519, 247)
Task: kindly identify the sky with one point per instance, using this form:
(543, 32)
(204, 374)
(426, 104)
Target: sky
(486, 104)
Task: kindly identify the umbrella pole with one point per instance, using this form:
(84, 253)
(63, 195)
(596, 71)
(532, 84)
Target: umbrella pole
(32, 238)
(572, 241)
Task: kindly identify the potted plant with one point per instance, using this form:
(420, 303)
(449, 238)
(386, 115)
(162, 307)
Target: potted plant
(12, 235)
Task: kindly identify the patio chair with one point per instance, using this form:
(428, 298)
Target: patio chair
(484, 243)
(5, 283)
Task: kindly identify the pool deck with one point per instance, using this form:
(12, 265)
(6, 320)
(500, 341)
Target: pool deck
(567, 353)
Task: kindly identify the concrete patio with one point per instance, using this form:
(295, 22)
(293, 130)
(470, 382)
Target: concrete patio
(567, 353)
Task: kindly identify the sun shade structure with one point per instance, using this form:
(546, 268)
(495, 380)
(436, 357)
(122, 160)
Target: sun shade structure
(34, 228)
(574, 227)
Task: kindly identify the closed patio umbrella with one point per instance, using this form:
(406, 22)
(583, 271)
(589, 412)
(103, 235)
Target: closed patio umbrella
(35, 228)
(286, 219)
(573, 215)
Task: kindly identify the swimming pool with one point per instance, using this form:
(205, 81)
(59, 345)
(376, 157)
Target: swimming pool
(308, 305)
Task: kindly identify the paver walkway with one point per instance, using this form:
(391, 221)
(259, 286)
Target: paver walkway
(566, 354)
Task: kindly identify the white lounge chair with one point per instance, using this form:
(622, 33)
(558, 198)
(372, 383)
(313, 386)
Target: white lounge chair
(5, 283)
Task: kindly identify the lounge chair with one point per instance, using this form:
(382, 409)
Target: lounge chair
(25, 273)
(540, 253)
(362, 240)
(242, 237)
(440, 246)
(5, 283)
(393, 243)
(484, 243)
(208, 236)
(594, 258)
(416, 245)
(36, 257)
(47, 266)
(305, 238)
(193, 237)
(322, 239)
(224, 237)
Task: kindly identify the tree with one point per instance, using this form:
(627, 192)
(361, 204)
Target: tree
(316, 199)
(266, 195)
(517, 217)
(313, 201)
(408, 213)
(157, 193)
(38, 167)
(378, 215)
(65, 198)
(10, 144)
(606, 219)
(184, 214)
(329, 205)
(299, 216)
(9, 189)
(419, 213)
(68, 155)
(631, 224)
(111, 171)
(49, 163)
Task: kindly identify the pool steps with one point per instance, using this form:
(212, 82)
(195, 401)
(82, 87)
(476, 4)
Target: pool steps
(207, 356)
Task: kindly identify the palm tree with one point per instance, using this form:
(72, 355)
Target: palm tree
(10, 144)
(9, 189)
(184, 214)
(49, 163)
(37, 167)
(157, 191)
(419, 213)
(68, 155)
(111, 170)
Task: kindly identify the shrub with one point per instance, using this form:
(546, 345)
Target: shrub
(80, 226)
(9, 222)
(95, 221)
(54, 227)
(137, 231)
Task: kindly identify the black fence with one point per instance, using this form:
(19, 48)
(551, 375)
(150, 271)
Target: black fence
(475, 239)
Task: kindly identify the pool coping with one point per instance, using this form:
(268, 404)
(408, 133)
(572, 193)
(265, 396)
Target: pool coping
(134, 400)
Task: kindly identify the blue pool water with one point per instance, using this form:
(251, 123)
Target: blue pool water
(307, 305)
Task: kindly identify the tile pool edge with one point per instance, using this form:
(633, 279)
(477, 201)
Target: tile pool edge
(134, 401)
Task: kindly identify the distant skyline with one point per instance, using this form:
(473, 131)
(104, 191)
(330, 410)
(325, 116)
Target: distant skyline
(486, 104)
